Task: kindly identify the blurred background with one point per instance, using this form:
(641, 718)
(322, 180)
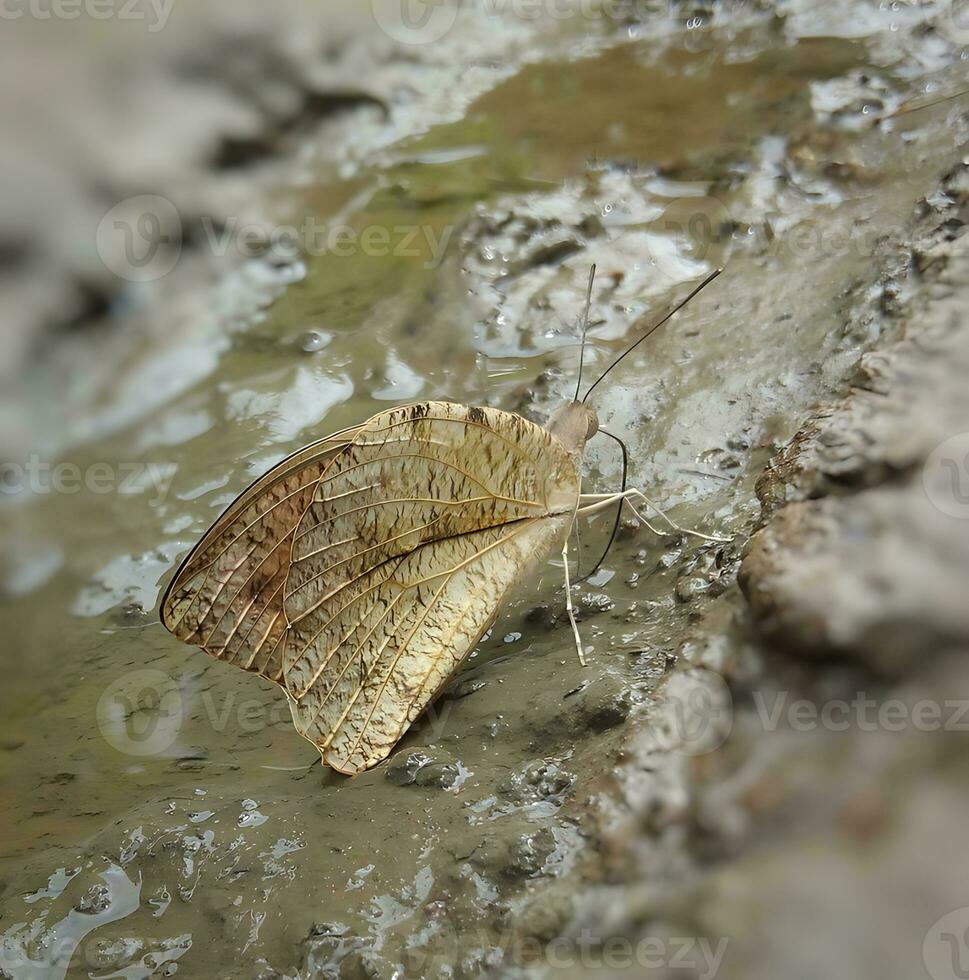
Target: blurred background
(229, 228)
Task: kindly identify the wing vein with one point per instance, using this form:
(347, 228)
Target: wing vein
(400, 652)
(262, 639)
(456, 421)
(356, 554)
(262, 612)
(353, 657)
(269, 554)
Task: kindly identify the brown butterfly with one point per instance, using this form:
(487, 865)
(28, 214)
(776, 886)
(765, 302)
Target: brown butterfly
(360, 572)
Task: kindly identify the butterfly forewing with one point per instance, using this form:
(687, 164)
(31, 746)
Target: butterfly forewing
(411, 476)
(227, 596)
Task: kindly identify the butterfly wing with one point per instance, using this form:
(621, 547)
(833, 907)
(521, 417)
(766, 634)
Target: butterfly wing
(414, 537)
(227, 595)
(415, 619)
(361, 571)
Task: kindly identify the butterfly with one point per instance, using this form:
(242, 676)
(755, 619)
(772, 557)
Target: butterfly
(360, 572)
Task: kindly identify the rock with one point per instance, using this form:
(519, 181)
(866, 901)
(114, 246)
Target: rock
(321, 930)
(403, 771)
(516, 858)
(592, 604)
(313, 341)
(603, 709)
(876, 570)
(688, 587)
(538, 781)
(364, 965)
(881, 576)
(106, 954)
(432, 767)
(542, 615)
(546, 917)
(439, 775)
(906, 400)
(530, 852)
(97, 900)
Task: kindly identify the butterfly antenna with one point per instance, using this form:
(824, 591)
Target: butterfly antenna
(585, 329)
(615, 525)
(676, 309)
(905, 110)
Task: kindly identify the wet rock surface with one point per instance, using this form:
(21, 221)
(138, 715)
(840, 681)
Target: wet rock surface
(680, 804)
(877, 568)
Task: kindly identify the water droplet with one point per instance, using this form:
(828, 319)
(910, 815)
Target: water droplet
(314, 340)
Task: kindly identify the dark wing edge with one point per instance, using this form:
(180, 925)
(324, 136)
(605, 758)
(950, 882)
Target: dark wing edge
(227, 594)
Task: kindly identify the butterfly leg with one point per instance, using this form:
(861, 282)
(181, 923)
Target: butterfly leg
(672, 524)
(568, 603)
(594, 502)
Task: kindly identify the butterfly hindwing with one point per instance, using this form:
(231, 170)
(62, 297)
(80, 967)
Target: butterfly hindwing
(399, 646)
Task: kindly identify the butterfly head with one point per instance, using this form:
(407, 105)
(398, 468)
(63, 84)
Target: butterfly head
(574, 424)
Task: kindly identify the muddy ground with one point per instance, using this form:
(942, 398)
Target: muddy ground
(762, 771)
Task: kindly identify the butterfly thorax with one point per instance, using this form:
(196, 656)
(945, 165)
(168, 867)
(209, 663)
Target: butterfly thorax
(573, 424)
